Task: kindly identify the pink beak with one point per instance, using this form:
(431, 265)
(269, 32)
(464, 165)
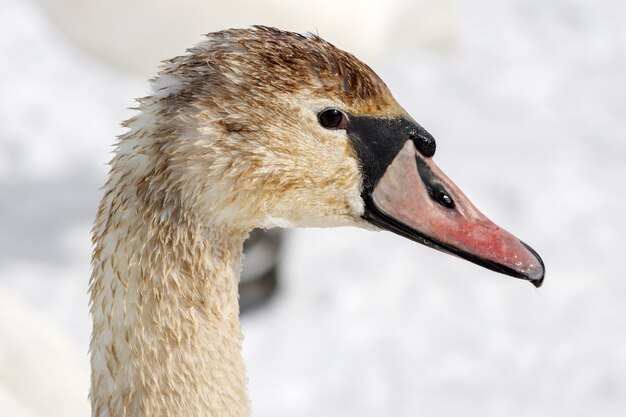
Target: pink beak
(414, 198)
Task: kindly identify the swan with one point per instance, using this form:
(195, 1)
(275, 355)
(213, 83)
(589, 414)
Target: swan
(397, 24)
(251, 128)
(41, 373)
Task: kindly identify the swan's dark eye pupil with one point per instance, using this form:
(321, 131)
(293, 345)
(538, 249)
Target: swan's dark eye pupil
(331, 118)
(445, 200)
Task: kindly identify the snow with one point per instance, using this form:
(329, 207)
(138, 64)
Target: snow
(528, 110)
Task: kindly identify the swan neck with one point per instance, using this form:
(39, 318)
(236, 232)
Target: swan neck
(166, 335)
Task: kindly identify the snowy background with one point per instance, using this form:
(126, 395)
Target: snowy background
(528, 102)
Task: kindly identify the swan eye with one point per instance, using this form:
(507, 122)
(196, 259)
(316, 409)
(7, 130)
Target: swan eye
(332, 119)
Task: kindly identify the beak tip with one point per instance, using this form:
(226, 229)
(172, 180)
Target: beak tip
(537, 275)
(537, 282)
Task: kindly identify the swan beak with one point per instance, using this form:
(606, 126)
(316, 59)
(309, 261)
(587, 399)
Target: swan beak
(415, 199)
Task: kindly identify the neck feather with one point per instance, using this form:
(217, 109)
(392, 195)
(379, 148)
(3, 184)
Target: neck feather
(166, 336)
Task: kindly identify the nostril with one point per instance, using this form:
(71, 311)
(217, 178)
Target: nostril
(436, 190)
(444, 199)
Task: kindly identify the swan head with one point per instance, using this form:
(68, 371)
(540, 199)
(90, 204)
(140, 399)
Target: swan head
(260, 128)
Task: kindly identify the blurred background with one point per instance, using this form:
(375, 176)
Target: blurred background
(527, 99)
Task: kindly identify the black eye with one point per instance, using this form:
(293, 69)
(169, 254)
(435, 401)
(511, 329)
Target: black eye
(332, 119)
